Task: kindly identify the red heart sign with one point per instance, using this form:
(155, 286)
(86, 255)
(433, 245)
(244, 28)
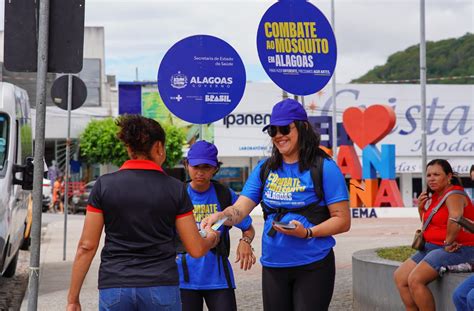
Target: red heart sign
(368, 126)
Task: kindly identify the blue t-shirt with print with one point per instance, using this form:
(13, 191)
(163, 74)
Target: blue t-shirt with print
(289, 188)
(207, 272)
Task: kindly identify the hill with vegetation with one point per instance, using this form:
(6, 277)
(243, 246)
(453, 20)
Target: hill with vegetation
(445, 59)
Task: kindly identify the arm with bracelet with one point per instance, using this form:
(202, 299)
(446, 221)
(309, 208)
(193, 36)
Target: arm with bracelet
(245, 250)
(339, 222)
(455, 204)
(335, 196)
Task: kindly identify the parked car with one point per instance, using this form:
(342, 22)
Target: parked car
(46, 194)
(16, 174)
(81, 205)
(46, 187)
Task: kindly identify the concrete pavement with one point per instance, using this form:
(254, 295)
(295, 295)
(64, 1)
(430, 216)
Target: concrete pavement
(55, 273)
(365, 233)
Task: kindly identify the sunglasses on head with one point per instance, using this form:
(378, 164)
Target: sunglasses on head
(284, 130)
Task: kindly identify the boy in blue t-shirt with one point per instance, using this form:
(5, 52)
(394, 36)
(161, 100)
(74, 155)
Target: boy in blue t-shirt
(210, 277)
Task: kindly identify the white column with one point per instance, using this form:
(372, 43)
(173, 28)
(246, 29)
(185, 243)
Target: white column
(406, 186)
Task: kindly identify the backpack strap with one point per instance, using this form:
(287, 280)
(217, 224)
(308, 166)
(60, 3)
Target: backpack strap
(313, 212)
(223, 194)
(317, 177)
(265, 171)
(222, 250)
(184, 265)
(440, 203)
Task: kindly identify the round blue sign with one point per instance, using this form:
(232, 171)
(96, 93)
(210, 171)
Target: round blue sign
(297, 47)
(201, 79)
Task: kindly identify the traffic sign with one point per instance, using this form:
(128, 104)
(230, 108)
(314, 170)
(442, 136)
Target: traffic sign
(59, 92)
(66, 35)
(201, 79)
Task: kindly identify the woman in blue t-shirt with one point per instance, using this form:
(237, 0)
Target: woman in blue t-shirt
(300, 187)
(210, 277)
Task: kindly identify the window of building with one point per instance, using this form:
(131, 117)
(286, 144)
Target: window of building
(233, 177)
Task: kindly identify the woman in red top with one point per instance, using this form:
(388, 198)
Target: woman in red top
(446, 244)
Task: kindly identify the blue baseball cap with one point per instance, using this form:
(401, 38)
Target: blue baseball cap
(285, 112)
(203, 152)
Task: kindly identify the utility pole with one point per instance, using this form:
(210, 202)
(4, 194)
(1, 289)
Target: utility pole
(43, 36)
(333, 82)
(68, 159)
(423, 93)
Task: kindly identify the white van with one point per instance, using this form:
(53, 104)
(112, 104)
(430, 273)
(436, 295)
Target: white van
(16, 173)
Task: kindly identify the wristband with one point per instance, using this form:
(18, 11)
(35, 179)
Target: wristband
(310, 233)
(447, 244)
(246, 239)
(216, 239)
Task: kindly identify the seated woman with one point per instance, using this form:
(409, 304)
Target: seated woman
(463, 296)
(445, 244)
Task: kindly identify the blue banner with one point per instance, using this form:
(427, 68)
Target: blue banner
(201, 79)
(297, 47)
(130, 98)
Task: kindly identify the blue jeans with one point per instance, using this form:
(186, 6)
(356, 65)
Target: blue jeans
(463, 296)
(140, 298)
(436, 256)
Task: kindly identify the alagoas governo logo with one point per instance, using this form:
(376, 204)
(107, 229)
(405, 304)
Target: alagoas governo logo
(211, 81)
(179, 80)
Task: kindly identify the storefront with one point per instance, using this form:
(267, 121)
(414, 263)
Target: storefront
(450, 122)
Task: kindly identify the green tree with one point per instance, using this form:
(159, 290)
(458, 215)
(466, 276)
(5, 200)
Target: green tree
(175, 140)
(99, 144)
(444, 59)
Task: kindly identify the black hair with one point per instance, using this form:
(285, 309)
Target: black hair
(472, 169)
(447, 169)
(139, 134)
(309, 153)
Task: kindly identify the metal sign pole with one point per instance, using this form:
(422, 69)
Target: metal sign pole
(68, 159)
(200, 132)
(39, 153)
(334, 110)
(423, 93)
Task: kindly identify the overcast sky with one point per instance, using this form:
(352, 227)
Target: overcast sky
(139, 32)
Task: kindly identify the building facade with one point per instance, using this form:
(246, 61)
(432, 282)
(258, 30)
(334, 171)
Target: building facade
(101, 101)
(241, 142)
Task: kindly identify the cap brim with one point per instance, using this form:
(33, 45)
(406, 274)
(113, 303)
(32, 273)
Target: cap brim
(278, 123)
(196, 162)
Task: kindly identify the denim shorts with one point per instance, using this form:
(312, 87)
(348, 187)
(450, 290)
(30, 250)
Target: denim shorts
(436, 256)
(140, 298)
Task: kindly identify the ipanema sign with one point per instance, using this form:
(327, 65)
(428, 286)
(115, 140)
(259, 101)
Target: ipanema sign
(365, 127)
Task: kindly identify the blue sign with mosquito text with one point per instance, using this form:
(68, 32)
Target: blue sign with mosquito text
(201, 79)
(297, 47)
